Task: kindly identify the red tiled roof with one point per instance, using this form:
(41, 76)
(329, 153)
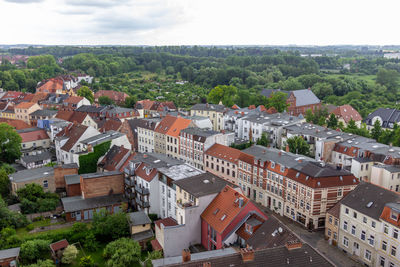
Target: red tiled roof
(166, 222)
(37, 135)
(39, 96)
(51, 85)
(386, 216)
(17, 124)
(156, 245)
(25, 105)
(130, 157)
(114, 157)
(62, 244)
(146, 103)
(114, 95)
(235, 106)
(347, 112)
(262, 108)
(166, 123)
(225, 152)
(73, 132)
(145, 172)
(11, 95)
(27, 97)
(108, 125)
(178, 125)
(70, 115)
(272, 110)
(252, 107)
(73, 99)
(223, 209)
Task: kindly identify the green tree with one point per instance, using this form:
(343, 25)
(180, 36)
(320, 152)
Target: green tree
(130, 102)
(42, 263)
(322, 90)
(388, 78)
(4, 183)
(105, 100)
(376, 131)
(110, 226)
(156, 254)
(69, 255)
(298, 145)
(86, 261)
(122, 252)
(332, 122)
(263, 140)
(10, 218)
(32, 250)
(277, 100)
(224, 93)
(10, 144)
(85, 91)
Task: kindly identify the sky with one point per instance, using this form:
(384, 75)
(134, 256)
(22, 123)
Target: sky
(199, 22)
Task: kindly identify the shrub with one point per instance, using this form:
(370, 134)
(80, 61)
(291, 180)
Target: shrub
(69, 255)
(30, 227)
(88, 163)
(33, 250)
(86, 261)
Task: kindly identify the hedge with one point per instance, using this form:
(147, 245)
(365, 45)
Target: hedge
(88, 162)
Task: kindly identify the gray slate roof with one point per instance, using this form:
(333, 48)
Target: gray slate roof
(77, 203)
(9, 253)
(303, 97)
(209, 107)
(143, 235)
(32, 174)
(389, 168)
(72, 179)
(365, 193)
(44, 112)
(388, 116)
(33, 158)
(102, 137)
(90, 108)
(138, 218)
(203, 184)
(99, 174)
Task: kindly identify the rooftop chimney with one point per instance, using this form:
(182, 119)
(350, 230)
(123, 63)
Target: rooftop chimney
(290, 245)
(186, 255)
(247, 254)
(287, 148)
(241, 202)
(280, 153)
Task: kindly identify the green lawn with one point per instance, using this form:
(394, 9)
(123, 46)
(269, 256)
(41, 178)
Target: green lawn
(45, 222)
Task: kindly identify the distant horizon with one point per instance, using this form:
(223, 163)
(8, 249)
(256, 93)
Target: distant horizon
(195, 22)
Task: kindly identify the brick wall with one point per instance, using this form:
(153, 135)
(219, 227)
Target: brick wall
(102, 186)
(73, 190)
(59, 173)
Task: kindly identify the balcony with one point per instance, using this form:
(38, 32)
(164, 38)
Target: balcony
(142, 203)
(141, 190)
(185, 204)
(129, 182)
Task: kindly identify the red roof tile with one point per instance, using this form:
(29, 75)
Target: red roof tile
(166, 123)
(62, 244)
(347, 112)
(73, 132)
(227, 153)
(223, 209)
(166, 222)
(39, 96)
(73, 99)
(51, 85)
(145, 172)
(37, 135)
(156, 245)
(17, 124)
(25, 105)
(146, 103)
(114, 95)
(178, 125)
(11, 95)
(114, 157)
(70, 115)
(386, 216)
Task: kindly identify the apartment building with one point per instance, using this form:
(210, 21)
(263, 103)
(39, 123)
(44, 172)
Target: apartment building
(214, 112)
(33, 140)
(365, 230)
(195, 141)
(293, 185)
(386, 176)
(172, 136)
(24, 109)
(160, 138)
(145, 134)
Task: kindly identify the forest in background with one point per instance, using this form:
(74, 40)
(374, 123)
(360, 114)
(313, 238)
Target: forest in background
(359, 77)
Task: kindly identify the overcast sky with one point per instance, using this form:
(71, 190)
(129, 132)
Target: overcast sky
(202, 22)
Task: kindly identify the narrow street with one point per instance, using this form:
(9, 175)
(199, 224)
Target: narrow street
(317, 241)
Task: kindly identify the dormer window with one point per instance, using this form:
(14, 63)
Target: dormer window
(272, 164)
(394, 215)
(249, 228)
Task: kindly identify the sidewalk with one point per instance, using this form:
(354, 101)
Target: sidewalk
(317, 241)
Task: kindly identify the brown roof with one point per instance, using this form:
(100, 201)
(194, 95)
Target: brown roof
(223, 209)
(17, 124)
(39, 96)
(70, 115)
(108, 125)
(166, 222)
(27, 97)
(113, 157)
(25, 105)
(114, 95)
(178, 125)
(224, 152)
(62, 244)
(347, 112)
(73, 132)
(335, 210)
(51, 85)
(156, 245)
(146, 103)
(73, 99)
(166, 123)
(36, 135)
(146, 172)
(11, 95)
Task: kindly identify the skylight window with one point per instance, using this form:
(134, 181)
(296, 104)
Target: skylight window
(223, 217)
(369, 205)
(297, 175)
(216, 211)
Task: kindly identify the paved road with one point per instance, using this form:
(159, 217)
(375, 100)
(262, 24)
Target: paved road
(317, 241)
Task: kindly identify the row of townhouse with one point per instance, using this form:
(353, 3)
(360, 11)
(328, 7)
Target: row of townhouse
(366, 225)
(292, 185)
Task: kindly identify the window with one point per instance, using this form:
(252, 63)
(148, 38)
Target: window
(346, 242)
(346, 211)
(381, 261)
(364, 219)
(355, 215)
(373, 224)
(362, 235)
(386, 229)
(384, 245)
(329, 232)
(394, 215)
(334, 235)
(45, 184)
(395, 233)
(393, 251)
(391, 264)
(367, 255)
(345, 225)
(353, 230)
(330, 219)
(339, 192)
(371, 240)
